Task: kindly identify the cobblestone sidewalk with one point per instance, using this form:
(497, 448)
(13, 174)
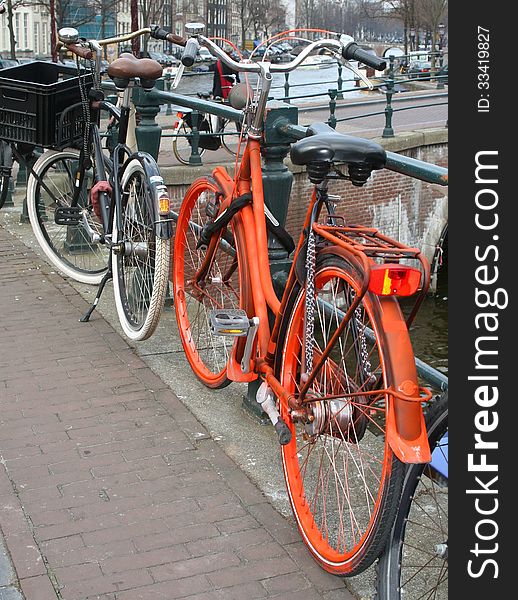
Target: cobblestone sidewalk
(109, 487)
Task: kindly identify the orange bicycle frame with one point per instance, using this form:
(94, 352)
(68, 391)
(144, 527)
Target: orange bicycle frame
(406, 431)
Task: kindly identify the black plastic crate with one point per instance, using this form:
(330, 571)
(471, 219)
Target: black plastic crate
(35, 99)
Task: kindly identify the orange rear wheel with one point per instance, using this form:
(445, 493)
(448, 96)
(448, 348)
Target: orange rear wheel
(342, 478)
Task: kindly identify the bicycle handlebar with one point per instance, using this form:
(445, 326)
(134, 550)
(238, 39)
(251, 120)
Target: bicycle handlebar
(349, 51)
(189, 54)
(81, 51)
(354, 52)
(161, 34)
(87, 48)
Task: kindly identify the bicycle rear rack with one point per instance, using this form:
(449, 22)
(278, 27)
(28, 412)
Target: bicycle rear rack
(368, 242)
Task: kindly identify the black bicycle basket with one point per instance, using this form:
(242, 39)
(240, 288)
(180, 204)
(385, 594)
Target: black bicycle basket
(40, 104)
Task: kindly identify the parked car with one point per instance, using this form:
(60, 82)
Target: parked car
(204, 55)
(285, 46)
(158, 56)
(5, 63)
(419, 69)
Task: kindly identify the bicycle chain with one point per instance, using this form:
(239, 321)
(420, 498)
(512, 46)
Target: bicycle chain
(96, 79)
(85, 104)
(309, 315)
(364, 354)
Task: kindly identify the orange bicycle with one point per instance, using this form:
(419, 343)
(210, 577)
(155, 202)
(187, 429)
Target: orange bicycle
(337, 370)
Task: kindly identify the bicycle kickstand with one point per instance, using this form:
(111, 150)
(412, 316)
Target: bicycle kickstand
(108, 275)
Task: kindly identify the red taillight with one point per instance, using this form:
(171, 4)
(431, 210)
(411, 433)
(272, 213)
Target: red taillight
(394, 280)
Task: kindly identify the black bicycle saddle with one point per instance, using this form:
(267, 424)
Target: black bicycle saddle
(323, 144)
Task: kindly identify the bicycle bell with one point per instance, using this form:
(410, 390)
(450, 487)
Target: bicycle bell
(68, 35)
(194, 28)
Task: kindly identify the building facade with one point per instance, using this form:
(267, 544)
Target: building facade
(104, 18)
(31, 24)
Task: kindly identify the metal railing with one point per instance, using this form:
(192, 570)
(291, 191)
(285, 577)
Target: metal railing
(389, 85)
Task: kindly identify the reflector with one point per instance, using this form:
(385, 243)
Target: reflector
(394, 280)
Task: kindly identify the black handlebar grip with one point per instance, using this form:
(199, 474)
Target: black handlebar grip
(161, 34)
(189, 54)
(158, 33)
(354, 52)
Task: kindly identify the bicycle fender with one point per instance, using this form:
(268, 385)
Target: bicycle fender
(164, 229)
(406, 428)
(163, 223)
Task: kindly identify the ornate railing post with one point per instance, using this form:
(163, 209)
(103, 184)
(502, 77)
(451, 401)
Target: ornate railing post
(440, 77)
(148, 132)
(333, 94)
(388, 131)
(287, 87)
(168, 110)
(340, 82)
(195, 158)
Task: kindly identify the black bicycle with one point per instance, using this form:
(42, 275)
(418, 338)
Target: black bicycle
(414, 564)
(98, 215)
(213, 129)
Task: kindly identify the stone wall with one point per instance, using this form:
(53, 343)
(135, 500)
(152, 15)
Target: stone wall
(402, 207)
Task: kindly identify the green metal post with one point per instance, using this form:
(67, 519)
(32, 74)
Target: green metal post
(388, 131)
(113, 132)
(168, 110)
(332, 108)
(440, 78)
(195, 158)
(148, 132)
(340, 82)
(287, 87)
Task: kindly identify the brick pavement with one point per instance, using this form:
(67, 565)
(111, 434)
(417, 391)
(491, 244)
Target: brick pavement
(109, 487)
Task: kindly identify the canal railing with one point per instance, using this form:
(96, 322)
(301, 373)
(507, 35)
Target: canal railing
(149, 103)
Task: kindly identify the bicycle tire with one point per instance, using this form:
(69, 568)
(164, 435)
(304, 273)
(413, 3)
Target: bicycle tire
(223, 284)
(51, 185)
(181, 145)
(223, 123)
(420, 532)
(340, 471)
(140, 271)
(6, 164)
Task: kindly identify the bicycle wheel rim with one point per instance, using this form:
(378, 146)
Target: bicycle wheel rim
(140, 264)
(225, 138)
(342, 478)
(207, 353)
(67, 246)
(181, 147)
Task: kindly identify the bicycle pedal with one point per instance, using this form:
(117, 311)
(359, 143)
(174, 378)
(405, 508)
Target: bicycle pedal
(231, 322)
(68, 215)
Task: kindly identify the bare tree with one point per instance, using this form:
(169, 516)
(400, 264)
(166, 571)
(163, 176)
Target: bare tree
(10, 26)
(245, 18)
(402, 10)
(152, 12)
(431, 13)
